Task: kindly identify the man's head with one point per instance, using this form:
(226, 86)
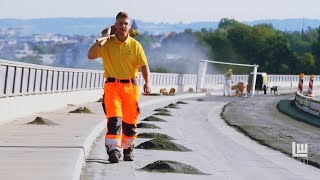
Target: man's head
(122, 24)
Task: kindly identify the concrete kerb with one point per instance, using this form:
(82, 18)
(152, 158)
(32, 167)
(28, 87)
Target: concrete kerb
(21, 106)
(101, 126)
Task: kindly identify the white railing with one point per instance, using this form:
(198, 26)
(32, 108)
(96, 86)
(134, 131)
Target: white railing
(307, 104)
(24, 79)
(18, 78)
(219, 79)
(291, 80)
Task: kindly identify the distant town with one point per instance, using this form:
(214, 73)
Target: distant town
(47, 49)
(54, 49)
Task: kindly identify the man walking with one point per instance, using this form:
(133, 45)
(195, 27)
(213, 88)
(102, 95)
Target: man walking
(122, 56)
(227, 83)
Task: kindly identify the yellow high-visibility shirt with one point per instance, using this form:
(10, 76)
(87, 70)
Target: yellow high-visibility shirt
(122, 59)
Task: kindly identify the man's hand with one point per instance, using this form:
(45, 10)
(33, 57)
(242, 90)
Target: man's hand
(146, 76)
(93, 51)
(112, 32)
(146, 88)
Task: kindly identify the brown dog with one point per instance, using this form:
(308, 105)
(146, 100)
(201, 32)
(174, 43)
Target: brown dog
(172, 91)
(239, 89)
(163, 91)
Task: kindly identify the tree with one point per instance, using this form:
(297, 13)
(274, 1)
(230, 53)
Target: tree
(226, 23)
(30, 59)
(159, 69)
(316, 50)
(238, 35)
(40, 49)
(300, 43)
(144, 40)
(307, 63)
(262, 45)
(57, 49)
(221, 48)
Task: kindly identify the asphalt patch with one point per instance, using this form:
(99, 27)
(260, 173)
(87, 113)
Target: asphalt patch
(173, 106)
(162, 110)
(152, 94)
(147, 126)
(182, 102)
(163, 114)
(155, 135)
(81, 110)
(42, 121)
(154, 118)
(155, 94)
(100, 100)
(162, 144)
(164, 166)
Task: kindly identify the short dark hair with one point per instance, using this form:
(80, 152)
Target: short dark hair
(122, 15)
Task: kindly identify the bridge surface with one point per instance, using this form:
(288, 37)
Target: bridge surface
(60, 151)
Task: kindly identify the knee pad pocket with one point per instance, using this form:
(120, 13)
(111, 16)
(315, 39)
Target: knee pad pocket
(114, 125)
(129, 130)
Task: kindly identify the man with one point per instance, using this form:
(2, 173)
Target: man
(122, 56)
(227, 83)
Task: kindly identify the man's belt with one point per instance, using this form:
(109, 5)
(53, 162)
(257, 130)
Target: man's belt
(111, 79)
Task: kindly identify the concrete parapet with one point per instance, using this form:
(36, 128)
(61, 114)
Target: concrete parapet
(307, 104)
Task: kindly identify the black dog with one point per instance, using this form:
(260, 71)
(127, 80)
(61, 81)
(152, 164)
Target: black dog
(274, 89)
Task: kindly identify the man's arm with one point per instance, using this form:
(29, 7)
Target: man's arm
(93, 51)
(146, 76)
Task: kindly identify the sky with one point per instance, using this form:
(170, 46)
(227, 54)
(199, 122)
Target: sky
(170, 11)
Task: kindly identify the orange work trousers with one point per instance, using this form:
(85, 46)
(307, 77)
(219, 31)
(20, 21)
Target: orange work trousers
(122, 111)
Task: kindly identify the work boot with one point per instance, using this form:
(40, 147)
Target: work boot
(128, 155)
(114, 156)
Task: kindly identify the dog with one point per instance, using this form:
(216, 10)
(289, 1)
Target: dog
(172, 91)
(164, 91)
(274, 89)
(239, 88)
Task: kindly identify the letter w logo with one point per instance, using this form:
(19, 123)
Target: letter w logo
(299, 150)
